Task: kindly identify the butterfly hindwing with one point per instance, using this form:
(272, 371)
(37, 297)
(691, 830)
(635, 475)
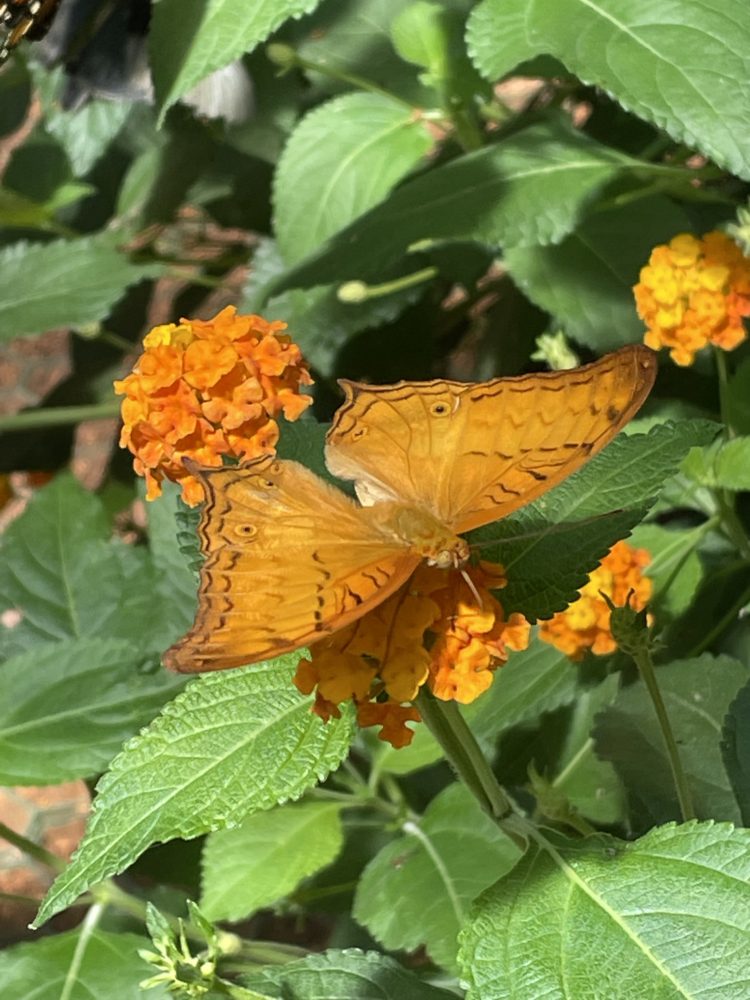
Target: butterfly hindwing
(472, 453)
(288, 559)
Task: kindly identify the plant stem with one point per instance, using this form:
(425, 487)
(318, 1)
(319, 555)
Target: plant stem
(723, 623)
(645, 666)
(58, 416)
(722, 374)
(293, 59)
(33, 850)
(465, 756)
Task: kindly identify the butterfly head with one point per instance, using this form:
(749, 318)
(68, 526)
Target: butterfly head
(452, 554)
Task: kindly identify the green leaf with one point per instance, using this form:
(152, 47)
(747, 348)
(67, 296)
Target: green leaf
(498, 195)
(343, 158)
(77, 965)
(84, 133)
(586, 282)
(417, 890)
(697, 694)
(534, 680)
(21, 212)
(549, 547)
(423, 751)
(189, 39)
(675, 566)
(343, 975)
(431, 36)
(267, 857)
(232, 743)
(591, 785)
(92, 271)
(497, 37)
(665, 917)
(357, 33)
(735, 749)
(661, 63)
(738, 398)
(732, 466)
(66, 580)
(67, 707)
(177, 581)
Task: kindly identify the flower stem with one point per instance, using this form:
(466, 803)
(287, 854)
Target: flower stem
(645, 666)
(58, 416)
(722, 374)
(33, 850)
(465, 756)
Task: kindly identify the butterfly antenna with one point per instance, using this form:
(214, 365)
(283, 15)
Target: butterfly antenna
(470, 584)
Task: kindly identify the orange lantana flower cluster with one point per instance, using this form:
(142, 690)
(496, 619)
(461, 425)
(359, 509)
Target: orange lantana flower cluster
(382, 660)
(694, 292)
(584, 624)
(205, 389)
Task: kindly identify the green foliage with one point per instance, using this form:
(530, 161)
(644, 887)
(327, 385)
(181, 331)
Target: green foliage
(735, 750)
(616, 921)
(67, 707)
(92, 269)
(79, 964)
(343, 975)
(549, 546)
(267, 857)
(424, 190)
(697, 694)
(416, 891)
(220, 751)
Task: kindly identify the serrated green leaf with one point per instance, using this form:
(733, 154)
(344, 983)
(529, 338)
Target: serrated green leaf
(661, 62)
(665, 917)
(417, 890)
(497, 37)
(343, 975)
(92, 271)
(697, 694)
(77, 965)
(189, 39)
(230, 744)
(586, 282)
(498, 195)
(549, 547)
(342, 159)
(675, 566)
(735, 749)
(534, 680)
(66, 580)
(590, 785)
(67, 707)
(267, 857)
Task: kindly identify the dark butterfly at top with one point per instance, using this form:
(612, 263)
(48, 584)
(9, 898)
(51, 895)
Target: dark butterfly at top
(24, 19)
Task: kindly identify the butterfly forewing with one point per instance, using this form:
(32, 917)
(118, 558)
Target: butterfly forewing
(473, 453)
(288, 560)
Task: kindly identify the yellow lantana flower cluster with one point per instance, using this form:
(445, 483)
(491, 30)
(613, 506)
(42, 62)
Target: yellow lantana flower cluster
(205, 389)
(584, 624)
(694, 292)
(382, 660)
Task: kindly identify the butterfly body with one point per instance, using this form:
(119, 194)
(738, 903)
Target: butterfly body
(290, 559)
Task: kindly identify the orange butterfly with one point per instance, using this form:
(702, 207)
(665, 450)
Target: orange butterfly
(290, 559)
